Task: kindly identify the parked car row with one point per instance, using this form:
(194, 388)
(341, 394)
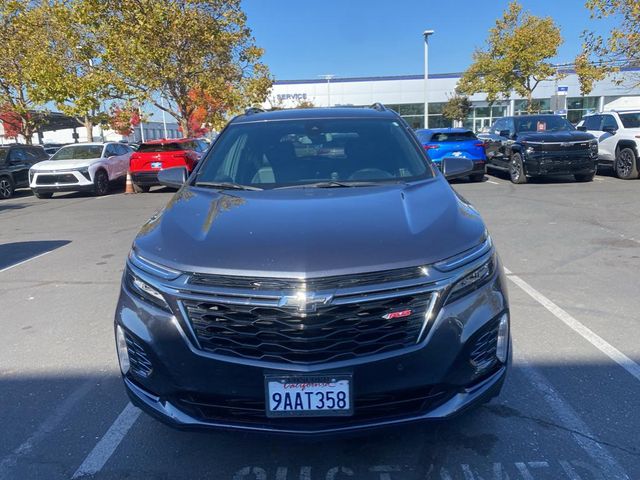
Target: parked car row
(92, 167)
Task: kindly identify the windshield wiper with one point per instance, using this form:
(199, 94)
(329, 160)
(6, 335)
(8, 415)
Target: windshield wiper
(226, 186)
(331, 184)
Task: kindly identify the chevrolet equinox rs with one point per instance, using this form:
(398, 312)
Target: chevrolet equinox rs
(314, 274)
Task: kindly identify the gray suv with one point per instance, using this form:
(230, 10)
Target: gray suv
(315, 273)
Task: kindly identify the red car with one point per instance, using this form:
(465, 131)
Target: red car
(153, 156)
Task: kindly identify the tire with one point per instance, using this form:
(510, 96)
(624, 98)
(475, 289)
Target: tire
(100, 183)
(43, 194)
(626, 164)
(516, 170)
(7, 187)
(141, 188)
(585, 177)
(476, 177)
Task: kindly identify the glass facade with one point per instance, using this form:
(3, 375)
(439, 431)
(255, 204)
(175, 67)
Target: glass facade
(578, 107)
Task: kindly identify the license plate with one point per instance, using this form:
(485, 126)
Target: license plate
(156, 165)
(308, 396)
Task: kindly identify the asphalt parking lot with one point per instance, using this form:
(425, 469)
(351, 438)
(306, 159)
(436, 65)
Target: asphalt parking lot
(569, 409)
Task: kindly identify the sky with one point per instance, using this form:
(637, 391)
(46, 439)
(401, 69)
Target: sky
(351, 38)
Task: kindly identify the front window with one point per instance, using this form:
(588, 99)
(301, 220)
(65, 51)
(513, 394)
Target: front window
(78, 152)
(630, 120)
(543, 123)
(311, 151)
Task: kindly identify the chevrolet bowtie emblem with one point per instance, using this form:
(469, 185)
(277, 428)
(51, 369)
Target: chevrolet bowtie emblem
(305, 302)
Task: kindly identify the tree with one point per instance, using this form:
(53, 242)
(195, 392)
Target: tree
(122, 118)
(67, 67)
(457, 107)
(21, 33)
(621, 48)
(11, 122)
(515, 58)
(192, 53)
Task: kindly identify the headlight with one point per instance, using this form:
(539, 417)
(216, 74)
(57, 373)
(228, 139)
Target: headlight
(144, 290)
(31, 175)
(85, 173)
(472, 280)
(593, 146)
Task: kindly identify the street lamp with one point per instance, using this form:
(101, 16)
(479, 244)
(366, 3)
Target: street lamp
(328, 79)
(426, 35)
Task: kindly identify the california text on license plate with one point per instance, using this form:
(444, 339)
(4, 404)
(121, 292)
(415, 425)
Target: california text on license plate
(308, 396)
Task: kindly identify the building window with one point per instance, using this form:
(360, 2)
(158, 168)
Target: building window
(578, 107)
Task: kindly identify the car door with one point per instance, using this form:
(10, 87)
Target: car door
(111, 161)
(18, 165)
(492, 140)
(608, 140)
(593, 124)
(124, 153)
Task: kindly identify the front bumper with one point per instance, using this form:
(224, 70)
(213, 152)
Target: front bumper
(548, 163)
(60, 181)
(230, 391)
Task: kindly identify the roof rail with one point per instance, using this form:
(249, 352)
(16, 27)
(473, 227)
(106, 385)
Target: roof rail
(253, 110)
(379, 107)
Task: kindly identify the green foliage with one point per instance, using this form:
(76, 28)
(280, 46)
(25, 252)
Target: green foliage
(601, 56)
(516, 57)
(175, 48)
(457, 107)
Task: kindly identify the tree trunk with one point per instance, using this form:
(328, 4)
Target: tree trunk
(529, 101)
(184, 126)
(27, 131)
(88, 125)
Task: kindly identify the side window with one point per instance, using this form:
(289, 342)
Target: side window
(110, 151)
(592, 122)
(17, 155)
(510, 125)
(609, 121)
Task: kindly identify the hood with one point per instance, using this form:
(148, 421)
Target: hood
(64, 164)
(310, 232)
(566, 136)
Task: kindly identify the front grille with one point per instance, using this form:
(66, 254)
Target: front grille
(53, 179)
(138, 359)
(313, 284)
(339, 331)
(483, 353)
(560, 147)
(367, 407)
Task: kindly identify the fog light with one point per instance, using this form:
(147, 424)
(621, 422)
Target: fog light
(502, 344)
(123, 353)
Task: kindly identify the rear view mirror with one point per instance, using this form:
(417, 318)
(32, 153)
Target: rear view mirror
(456, 167)
(173, 177)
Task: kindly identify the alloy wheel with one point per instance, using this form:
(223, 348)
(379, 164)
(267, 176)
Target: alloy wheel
(5, 188)
(624, 164)
(515, 171)
(102, 183)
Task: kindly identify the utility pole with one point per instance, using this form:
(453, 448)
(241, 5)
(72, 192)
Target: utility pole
(426, 35)
(328, 79)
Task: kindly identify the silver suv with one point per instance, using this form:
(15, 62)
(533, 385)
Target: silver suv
(618, 134)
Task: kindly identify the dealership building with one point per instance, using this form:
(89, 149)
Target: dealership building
(406, 95)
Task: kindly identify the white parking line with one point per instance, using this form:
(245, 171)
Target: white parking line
(24, 261)
(569, 418)
(108, 443)
(492, 182)
(605, 347)
(50, 424)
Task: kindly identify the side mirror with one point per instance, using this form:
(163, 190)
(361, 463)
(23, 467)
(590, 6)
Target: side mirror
(456, 167)
(610, 130)
(582, 128)
(505, 133)
(173, 177)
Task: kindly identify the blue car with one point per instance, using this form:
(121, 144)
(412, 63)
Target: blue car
(440, 143)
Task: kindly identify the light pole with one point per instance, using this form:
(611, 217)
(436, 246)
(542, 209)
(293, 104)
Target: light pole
(164, 119)
(426, 35)
(328, 79)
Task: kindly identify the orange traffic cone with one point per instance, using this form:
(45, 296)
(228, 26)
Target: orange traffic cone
(129, 187)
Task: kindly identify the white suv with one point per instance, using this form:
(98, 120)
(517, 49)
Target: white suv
(80, 167)
(618, 134)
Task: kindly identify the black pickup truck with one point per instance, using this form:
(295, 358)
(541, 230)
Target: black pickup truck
(539, 145)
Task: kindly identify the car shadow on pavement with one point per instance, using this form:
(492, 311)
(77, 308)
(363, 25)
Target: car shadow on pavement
(17, 252)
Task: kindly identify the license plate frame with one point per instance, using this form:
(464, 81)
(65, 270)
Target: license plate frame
(308, 379)
(156, 165)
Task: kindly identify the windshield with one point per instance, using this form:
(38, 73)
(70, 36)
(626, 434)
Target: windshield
(161, 147)
(542, 123)
(78, 152)
(630, 120)
(298, 152)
